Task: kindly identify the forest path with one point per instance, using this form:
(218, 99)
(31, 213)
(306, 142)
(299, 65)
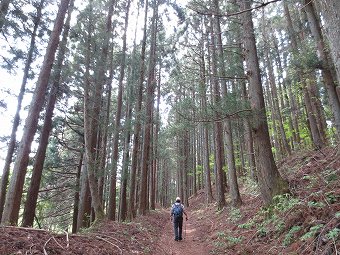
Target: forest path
(193, 238)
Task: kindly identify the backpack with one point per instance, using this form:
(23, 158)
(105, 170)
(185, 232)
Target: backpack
(177, 211)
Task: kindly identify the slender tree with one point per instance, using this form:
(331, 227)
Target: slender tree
(315, 27)
(150, 88)
(13, 198)
(270, 181)
(137, 126)
(32, 194)
(16, 120)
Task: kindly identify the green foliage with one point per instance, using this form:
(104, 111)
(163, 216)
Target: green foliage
(234, 214)
(226, 240)
(316, 204)
(262, 231)
(279, 225)
(333, 234)
(280, 203)
(306, 57)
(234, 240)
(331, 197)
(250, 185)
(311, 233)
(312, 180)
(330, 175)
(248, 225)
(290, 235)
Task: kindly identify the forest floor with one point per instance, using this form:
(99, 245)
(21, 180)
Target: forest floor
(308, 222)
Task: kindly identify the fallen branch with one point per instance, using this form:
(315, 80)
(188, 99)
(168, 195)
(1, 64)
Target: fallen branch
(109, 237)
(45, 252)
(67, 239)
(98, 237)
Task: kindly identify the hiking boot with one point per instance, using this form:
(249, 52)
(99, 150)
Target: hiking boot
(176, 239)
(180, 239)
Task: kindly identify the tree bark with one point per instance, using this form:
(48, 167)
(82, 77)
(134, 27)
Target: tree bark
(270, 181)
(233, 185)
(330, 13)
(118, 116)
(322, 53)
(76, 196)
(148, 114)
(32, 194)
(218, 127)
(137, 127)
(16, 120)
(13, 198)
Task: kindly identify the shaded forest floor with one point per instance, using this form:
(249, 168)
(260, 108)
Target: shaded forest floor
(306, 223)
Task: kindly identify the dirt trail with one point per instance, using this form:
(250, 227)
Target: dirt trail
(192, 243)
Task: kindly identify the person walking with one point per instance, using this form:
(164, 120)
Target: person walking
(176, 216)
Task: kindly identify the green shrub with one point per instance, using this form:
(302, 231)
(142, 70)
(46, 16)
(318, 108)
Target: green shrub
(311, 233)
(333, 234)
(289, 236)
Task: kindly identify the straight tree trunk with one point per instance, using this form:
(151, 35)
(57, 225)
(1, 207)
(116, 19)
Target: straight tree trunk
(32, 194)
(92, 110)
(218, 127)
(233, 185)
(330, 13)
(205, 130)
(155, 158)
(276, 108)
(314, 130)
(270, 181)
(148, 113)
(125, 167)
(322, 53)
(76, 196)
(115, 149)
(13, 198)
(16, 120)
(84, 207)
(137, 126)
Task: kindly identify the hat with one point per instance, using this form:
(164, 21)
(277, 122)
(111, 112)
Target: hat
(178, 199)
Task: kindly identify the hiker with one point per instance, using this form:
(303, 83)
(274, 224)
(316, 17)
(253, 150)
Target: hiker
(176, 215)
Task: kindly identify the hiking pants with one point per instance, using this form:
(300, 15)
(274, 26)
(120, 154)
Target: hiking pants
(178, 224)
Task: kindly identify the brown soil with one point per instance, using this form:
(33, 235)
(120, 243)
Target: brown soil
(314, 181)
(193, 242)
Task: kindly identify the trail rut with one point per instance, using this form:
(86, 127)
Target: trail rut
(192, 243)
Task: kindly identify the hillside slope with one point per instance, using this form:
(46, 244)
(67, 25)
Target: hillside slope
(307, 222)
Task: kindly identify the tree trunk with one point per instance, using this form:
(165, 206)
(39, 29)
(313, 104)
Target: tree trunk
(115, 149)
(137, 127)
(16, 120)
(276, 107)
(322, 53)
(155, 158)
(76, 196)
(148, 113)
(13, 198)
(92, 109)
(316, 138)
(270, 181)
(32, 194)
(233, 185)
(330, 13)
(84, 207)
(218, 127)
(205, 130)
